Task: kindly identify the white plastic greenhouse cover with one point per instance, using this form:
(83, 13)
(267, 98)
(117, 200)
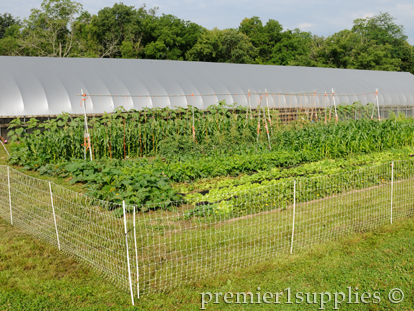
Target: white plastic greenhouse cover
(34, 86)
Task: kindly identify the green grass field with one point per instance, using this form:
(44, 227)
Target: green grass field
(34, 276)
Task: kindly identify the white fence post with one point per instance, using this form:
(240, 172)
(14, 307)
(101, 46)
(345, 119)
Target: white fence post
(136, 254)
(294, 212)
(127, 253)
(8, 181)
(392, 184)
(54, 215)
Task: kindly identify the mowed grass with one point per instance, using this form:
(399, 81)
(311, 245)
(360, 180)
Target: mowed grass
(35, 276)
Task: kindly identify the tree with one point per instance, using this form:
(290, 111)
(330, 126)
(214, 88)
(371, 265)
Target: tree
(380, 28)
(350, 50)
(384, 31)
(81, 28)
(263, 38)
(293, 46)
(237, 48)
(48, 30)
(6, 21)
(207, 47)
(226, 46)
(169, 37)
(407, 57)
(118, 31)
(60, 28)
(9, 34)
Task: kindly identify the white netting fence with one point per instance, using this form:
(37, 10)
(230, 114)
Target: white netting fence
(182, 242)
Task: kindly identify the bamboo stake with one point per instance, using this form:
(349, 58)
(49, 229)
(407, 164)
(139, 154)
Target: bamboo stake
(192, 107)
(248, 103)
(267, 129)
(325, 106)
(376, 95)
(258, 122)
(87, 137)
(268, 111)
(336, 113)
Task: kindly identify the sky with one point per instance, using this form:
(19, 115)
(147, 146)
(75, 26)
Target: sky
(321, 17)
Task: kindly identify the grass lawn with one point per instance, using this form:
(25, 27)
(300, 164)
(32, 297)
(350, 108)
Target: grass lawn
(34, 276)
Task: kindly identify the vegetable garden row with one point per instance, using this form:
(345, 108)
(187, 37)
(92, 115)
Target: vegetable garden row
(157, 159)
(151, 132)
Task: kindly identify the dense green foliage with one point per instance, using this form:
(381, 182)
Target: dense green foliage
(277, 192)
(138, 155)
(214, 185)
(7, 21)
(142, 133)
(218, 131)
(62, 28)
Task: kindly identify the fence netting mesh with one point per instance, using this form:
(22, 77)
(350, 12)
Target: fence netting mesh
(182, 242)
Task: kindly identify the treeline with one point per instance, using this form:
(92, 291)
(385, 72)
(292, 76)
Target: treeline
(61, 28)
